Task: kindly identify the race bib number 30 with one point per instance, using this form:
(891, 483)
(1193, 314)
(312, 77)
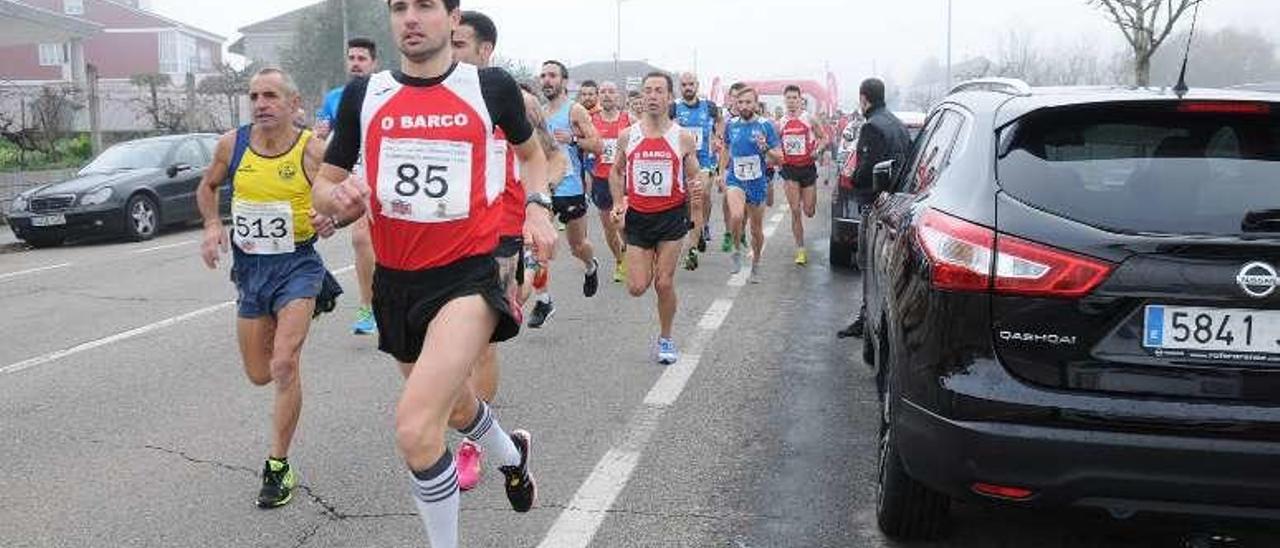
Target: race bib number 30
(794, 145)
(652, 177)
(262, 228)
(747, 168)
(425, 181)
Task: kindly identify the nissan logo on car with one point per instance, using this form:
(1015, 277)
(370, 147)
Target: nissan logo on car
(1258, 280)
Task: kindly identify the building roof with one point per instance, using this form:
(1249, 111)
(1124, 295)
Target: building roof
(199, 32)
(286, 22)
(604, 70)
(25, 24)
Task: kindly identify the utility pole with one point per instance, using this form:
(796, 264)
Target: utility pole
(949, 81)
(346, 29)
(617, 52)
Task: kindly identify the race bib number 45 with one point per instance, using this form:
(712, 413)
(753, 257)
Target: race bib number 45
(610, 153)
(652, 177)
(425, 181)
(747, 168)
(262, 228)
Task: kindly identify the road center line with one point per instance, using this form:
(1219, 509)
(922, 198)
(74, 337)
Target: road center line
(160, 247)
(578, 522)
(125, 335)
(11, 275)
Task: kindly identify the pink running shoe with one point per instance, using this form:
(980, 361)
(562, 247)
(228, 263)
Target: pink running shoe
(469, 456)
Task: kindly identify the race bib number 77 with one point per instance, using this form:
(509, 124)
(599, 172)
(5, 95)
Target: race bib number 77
(425, 181)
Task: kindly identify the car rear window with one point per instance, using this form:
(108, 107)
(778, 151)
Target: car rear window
(1171, 167)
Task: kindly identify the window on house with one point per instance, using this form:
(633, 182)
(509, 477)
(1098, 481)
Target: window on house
(52, 55)
(179, 53)
(206, 58)
(73, 7)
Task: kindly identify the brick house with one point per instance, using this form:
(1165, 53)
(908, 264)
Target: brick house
(131, 41)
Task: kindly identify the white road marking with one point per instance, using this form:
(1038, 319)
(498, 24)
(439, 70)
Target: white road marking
(160, 247)
(135, 332)
(578, 522)
(11, 275)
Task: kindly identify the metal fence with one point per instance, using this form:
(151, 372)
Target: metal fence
(12, 184)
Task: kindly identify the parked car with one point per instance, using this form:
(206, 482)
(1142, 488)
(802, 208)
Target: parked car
(1072, 301)
(845, 217)
(132, 189)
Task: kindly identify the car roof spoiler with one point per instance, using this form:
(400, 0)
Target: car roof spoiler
(1009, 86)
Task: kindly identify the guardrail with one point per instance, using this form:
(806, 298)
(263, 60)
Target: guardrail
(12, 184)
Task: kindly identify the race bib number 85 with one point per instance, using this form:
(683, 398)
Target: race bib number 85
(262, 228)
(652, 177)
(425, 181)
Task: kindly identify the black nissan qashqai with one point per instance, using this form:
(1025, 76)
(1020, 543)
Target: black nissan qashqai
(1072, 301)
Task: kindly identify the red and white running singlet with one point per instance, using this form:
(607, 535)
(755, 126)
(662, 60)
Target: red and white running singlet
(655, 171)
(428, 153)
(798, 140)
(511, 208)
(609, 135)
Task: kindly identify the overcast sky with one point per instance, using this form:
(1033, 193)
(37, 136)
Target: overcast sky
(766, 38)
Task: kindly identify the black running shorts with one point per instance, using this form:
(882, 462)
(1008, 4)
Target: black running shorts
(807, 176)
(405, 302)
(647, 230)
(569, 208)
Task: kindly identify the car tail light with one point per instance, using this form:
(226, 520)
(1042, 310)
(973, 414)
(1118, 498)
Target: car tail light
(1027, 268)
(1225, 107)
(1003, 492)
(959, 250)
(962, 255)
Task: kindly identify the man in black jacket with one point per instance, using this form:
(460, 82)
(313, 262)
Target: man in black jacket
(883, 137)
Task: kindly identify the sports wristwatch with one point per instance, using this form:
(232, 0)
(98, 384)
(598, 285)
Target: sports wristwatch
(539, 198)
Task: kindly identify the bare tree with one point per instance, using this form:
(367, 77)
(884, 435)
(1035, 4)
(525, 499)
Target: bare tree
(152, 83)
(229, 84)
(1145, 25)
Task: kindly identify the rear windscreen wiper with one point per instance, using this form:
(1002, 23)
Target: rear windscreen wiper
(1261, 220)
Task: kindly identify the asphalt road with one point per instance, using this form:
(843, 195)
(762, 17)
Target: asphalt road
(125, 418)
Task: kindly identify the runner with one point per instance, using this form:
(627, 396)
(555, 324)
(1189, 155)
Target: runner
(803, 140)
(473, 42)
(362, 60)
(608, 122)
(426, 132)
(751, 142)
(658, 159)
(276, 270)
(726, 245)
(571, 126)
(635, 105)
(589, 96)
(702, 118)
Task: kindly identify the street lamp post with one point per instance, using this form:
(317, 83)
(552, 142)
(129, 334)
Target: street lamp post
(949, 81)
(617, 52)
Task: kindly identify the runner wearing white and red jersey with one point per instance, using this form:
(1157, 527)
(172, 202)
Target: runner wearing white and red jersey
(656, 174)
(426, 134)
(608, 122)
(803, 139)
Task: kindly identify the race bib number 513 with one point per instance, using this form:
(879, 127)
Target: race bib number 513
(424, 180)
(262, 228)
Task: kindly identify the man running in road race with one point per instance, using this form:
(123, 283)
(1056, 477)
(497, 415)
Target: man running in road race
(473, 42)
(570, 124)
(701, 117)
(276, 270)
(427, 135)
(362, 60)
(726, 245)
(608, 123)
(752, 143)
(803, 139)
(656, 179)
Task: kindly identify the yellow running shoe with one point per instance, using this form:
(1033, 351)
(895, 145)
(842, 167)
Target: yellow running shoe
(802, 257)
(620, 272)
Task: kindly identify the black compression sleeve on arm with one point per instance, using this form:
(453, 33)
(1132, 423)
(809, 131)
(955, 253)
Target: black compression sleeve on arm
(344, 148)
(506, 104)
